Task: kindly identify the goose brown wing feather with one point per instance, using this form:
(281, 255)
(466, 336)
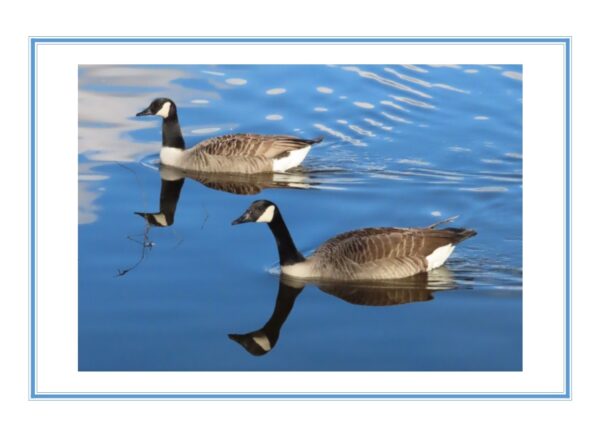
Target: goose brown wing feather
(253, 145)
(372, 244)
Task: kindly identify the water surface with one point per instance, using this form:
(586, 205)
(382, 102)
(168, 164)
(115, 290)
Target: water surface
(404, 146)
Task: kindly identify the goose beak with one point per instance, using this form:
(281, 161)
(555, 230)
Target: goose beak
(244, 218)
(146, 111)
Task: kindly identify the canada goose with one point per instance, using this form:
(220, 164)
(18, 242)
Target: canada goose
(239, 153)
(364, 254)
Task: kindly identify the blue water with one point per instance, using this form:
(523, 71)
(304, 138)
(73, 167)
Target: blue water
(404, 146)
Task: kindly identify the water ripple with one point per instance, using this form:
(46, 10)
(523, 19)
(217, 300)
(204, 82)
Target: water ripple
(364, 105)
(416, 162)
(274, 117)
(395, 118)
(275, 91)
(412, 102)
(388, 82)
(236, 81)
(206, 131)
(517, 156)
(361, 131)
(451, 88)
(490, 189)
(324, 90)
(415, 68)
(513, 75)
(212, 72)
(377, 124)
(340, 135)
(408, 78)
(394, 105)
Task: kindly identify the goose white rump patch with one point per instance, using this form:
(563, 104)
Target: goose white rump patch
(292, 160)
(439, 256)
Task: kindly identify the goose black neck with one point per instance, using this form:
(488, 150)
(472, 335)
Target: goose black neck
(171, 132)
(169, 196)
(288, 253)
(286, 296)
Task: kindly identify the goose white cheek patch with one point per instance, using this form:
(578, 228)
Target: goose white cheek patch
(160, 219)
(164, 111)
(267, 216)
(263, 342)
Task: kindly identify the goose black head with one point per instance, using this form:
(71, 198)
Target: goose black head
(162, 106)
(256, 343)
(259, 212)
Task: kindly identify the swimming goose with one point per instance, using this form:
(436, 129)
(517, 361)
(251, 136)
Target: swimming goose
(383, 253)
(239, 153)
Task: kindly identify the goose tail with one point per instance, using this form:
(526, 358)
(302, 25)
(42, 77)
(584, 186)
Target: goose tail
(461, 234)
(316, 140)
(457, 234)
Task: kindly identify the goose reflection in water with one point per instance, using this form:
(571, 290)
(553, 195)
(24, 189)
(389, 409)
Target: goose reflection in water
(418, 288)
(172, 180)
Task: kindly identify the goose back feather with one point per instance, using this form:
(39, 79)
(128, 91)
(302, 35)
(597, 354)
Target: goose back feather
(382, 253)
(253, 145)
(240, 153)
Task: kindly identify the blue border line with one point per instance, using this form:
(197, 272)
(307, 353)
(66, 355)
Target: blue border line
(32, 215)
(299, 396)
(568, 217)
(34, 41)
(253, 40)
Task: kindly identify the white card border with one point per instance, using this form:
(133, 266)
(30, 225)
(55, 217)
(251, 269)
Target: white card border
(36, 43)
